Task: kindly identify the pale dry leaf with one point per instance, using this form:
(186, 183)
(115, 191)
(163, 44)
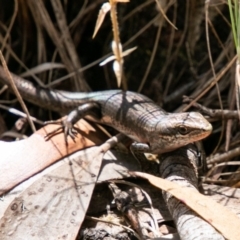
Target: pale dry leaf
(117, 68)
(54, 206)
(111, 58)
(107, 60)
(115, 165)
(42, 68)
(101, 15)
(225, 221)
(128, 51)
(118, 63)
(226, 196)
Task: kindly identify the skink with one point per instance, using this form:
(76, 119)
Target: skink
(133, 114)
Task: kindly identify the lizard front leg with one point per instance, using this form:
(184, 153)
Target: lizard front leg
(68, 124)
(140, 147)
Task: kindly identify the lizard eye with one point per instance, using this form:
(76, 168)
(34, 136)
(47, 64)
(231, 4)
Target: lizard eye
(183, 130)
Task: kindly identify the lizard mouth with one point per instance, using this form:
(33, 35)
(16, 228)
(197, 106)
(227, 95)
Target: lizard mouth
(207, 130)
(200, 134)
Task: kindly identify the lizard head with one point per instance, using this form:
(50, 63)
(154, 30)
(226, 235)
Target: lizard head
(177, 130)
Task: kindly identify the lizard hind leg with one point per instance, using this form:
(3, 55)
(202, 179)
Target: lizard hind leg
(67, 125)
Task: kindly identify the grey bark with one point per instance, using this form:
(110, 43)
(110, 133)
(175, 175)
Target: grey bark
(180, 167)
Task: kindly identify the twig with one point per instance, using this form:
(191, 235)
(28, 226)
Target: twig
(17, 92)
(214, 113)
(218, 158)
(213, 70)
(152, 56)
(211, 84)
(67, 40)
(10, 25)
(21, 114)
(117, 224)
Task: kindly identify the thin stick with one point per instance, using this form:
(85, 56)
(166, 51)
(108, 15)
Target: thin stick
(220, 75)
(17, 92)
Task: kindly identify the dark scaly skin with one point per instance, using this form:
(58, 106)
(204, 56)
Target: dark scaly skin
(131, 113)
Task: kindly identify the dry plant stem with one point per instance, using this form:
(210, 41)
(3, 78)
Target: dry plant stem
(190, 60)
(211, 83)
(168, 84)
(54, 35)
(152, 55)
(196, 16)
(216, 171)
(2, 90)
(210, 19)
(232, 177)
(173, 58)
(72, 74)
(83, 12)
(10, 25)
(229, 124)
(237, 86)
(19, 61)
(137, 9)
(160, 24)
(113, 223)
(164, 15)
(213, 70)
(8, 47)
(180, 167)
(205, 81)
(15, 90)
(41, 46)
(222, 15)
(21, 114)
(218, 158)
(210, 54)
(113, 14)
(214, 113)
(171, 43)
(179, 92)
(222, 182)
(76, 20)
(115, 28)
(41, 53)
(68, 42)
(141, 31)
(155, 224)
(219, 41)
(125, 205)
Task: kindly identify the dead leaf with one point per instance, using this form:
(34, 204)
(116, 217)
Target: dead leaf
(111, 58)
(22, 159)
(226, 222)
(54, 206)
(101, 15)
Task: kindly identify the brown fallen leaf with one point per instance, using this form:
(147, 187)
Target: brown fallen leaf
(54, 206)
(225, 221)
(22, 159)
